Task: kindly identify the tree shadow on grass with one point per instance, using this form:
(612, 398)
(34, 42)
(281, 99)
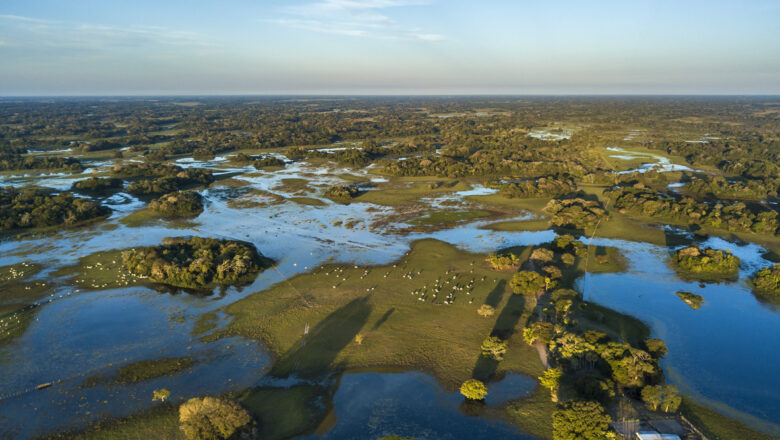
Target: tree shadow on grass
(496, 295)
(384, 318)
(313, 355)
(504, 328)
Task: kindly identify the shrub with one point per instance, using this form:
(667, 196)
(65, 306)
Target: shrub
(473, 389)
(210, 418)
(486, 311)
(692, 299)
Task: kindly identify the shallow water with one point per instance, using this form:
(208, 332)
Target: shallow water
(662, 164)
(712, 350)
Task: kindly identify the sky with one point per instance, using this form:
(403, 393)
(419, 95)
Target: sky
(212, 47)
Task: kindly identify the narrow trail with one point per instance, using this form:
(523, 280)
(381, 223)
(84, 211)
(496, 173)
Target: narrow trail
(541, 348)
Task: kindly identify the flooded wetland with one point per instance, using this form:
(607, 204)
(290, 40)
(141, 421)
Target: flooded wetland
(347, 293)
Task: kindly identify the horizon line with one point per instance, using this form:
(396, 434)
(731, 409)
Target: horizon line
(369, 95)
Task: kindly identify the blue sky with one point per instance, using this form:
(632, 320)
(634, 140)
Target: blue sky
(89, 47)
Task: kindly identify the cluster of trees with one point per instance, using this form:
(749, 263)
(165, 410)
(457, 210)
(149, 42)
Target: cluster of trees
(734, 216)
(766, 282)
(31, 208)
(167, 178)
(576, 213)
(99, 145)
(98, 185)
(527, 282)
(504, 261)
(588, 368)
(195, 262)
(178, 204)
(257, 162)
(550, 186)
(342, 193)
(722, 188)
(353, 157)
(707, 261)
(10, 161)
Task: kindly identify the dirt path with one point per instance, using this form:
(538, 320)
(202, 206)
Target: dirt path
(541, 348)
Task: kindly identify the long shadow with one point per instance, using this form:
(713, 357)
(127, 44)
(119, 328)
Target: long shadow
(314, 354)
(504, 328)
(384, 318)
(496, 295)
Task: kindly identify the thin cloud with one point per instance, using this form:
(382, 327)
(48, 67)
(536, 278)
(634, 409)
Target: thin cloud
(353, 18)
(38, 33)
(25, 19)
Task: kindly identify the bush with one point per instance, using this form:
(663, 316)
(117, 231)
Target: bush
(473, 389)
(209, 418)
(692, 299)
(486, 310)
(179, 204)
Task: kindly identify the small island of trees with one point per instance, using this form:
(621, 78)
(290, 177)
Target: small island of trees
(178, 204)
(196, 262)
(97, 185)
(33, 208)
(766, 282)
(707, 262)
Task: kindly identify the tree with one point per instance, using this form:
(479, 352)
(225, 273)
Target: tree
(211, 418)
(486, 311)
(656, 347)
(551, 379)
(494, 347)
(473, 389)
(581, 420)
(665, 397)
(528, 283)
(161, 394)
(539, 331)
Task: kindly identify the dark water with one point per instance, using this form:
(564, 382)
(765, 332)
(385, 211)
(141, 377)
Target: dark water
(727, 351)
(372, 405)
